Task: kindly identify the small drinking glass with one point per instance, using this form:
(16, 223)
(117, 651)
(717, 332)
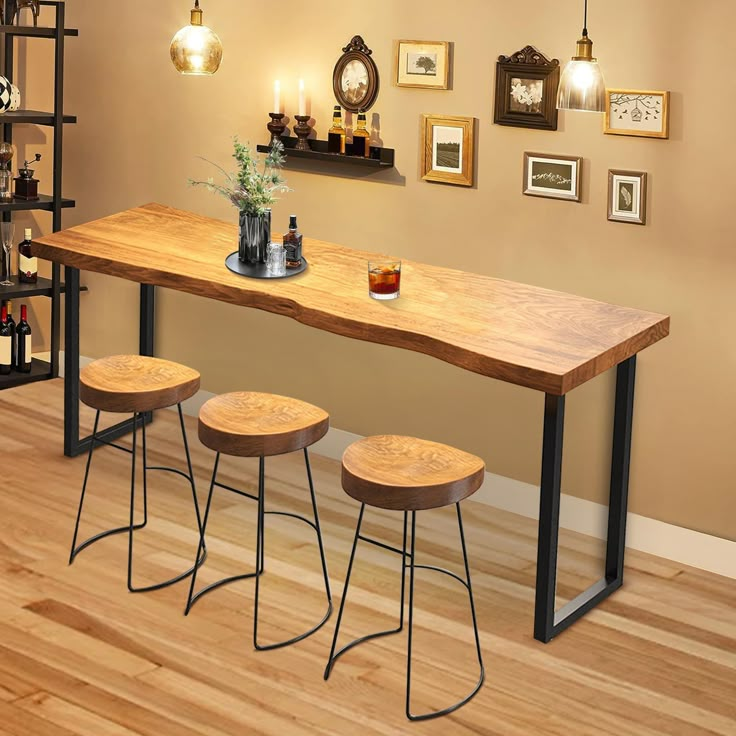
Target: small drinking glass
(276, 259)
(7, 232)
(384, 279)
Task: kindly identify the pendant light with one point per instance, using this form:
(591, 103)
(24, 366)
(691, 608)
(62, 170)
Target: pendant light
(582, 86)
(196, 49)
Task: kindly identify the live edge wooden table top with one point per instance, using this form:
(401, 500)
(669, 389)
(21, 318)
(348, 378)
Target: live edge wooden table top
(534, 337)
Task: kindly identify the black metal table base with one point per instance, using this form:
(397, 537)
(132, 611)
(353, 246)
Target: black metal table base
(411, 556)
(260, 550)
(96, 439)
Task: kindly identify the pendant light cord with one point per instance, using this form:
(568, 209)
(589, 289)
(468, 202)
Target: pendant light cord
(585, 18)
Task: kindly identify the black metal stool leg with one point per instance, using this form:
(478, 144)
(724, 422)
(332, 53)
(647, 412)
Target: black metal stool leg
(74, 549)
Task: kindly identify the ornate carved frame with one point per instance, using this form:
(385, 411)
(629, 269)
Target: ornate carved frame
(527, 64)
(356, 50)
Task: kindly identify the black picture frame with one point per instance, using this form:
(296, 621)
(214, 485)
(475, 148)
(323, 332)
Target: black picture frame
(356, 51)
(529, 65)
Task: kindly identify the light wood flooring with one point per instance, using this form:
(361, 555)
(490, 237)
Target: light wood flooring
(81, 655)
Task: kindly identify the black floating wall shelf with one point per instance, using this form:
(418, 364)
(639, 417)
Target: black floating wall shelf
(381, 158)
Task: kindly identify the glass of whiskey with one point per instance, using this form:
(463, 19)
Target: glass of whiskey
(384, 279)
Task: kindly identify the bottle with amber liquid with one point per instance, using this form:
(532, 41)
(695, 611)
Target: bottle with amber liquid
(361, 138)
(293, 245)
(27, 262)
(336, 134)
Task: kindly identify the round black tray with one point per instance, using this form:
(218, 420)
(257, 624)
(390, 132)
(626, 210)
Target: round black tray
(258, 270)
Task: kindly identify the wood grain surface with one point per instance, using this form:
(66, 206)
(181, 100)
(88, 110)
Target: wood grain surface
(134, 383)
(251, 424)
(522, 334)
(409, 474)
(80, 656)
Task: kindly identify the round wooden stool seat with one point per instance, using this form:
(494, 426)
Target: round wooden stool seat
(135, 383)
(249, 424)
(408, 474)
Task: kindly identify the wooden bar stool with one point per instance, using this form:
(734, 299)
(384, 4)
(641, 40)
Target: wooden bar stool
(137, 385)
(409, 475)
(247, 424)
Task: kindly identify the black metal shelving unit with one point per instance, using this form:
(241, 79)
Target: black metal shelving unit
(54, 202)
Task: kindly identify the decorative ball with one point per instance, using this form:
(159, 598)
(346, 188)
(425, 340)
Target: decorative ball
(14, 98)
(6, 94)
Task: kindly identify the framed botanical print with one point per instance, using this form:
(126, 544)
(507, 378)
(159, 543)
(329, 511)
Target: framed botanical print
(423, 64)
(552, 176)
(526, 90)
(632, 112)
(355, 77)
(447, 149)
(627, 196)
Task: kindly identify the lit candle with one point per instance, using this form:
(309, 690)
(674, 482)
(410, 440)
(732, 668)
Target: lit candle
(302, 99)
(276, 96)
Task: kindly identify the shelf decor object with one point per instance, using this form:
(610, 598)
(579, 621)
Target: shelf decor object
(26, 187)
(422, 64)
(7, 94)
(302, 130)
(637, 113)
(34, 5)
(196, 49)
(627, 196)
(6, 175)
(252, 192)
(447, 149)
(582, 86)
(526, 90)
(355, 77)
(552, 176)
(276, 127)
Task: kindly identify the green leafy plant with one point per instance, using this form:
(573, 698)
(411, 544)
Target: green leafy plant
(251, 189)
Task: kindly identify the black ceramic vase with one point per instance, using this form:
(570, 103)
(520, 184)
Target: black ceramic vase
(255, 234)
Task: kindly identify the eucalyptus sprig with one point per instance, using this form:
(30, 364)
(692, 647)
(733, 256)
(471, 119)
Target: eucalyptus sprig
(250, 189)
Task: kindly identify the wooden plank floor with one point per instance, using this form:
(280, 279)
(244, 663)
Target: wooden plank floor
(81, 655)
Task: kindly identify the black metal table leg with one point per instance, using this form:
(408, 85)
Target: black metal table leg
(548, 622)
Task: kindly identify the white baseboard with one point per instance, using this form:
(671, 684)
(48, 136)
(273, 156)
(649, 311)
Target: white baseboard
(676, 543)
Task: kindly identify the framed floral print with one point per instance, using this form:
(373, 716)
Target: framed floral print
(552, 176)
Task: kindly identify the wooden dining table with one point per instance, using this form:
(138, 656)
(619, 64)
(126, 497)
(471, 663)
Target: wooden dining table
(537, 338)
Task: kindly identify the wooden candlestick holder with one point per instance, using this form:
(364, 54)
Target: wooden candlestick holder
(276, 127)
(302, 131)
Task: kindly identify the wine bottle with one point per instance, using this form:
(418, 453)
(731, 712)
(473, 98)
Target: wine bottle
(6, 344)
(23, 331)
(27, 262)
(11, 327)
(293, 244)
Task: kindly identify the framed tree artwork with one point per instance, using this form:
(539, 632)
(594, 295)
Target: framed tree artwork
(355, 77)
(423, 64)
(627, 196)
(526, 90)
(638, 113)
(447, 149)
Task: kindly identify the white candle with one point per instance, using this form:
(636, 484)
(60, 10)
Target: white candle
(276, 96)
(302, 99)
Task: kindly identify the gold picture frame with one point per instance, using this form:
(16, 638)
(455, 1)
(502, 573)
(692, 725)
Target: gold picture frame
(432, 57)
(448, 149)
(640, 113)
(627, 196)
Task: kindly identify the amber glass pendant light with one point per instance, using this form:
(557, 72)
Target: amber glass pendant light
(581, 85)
(196, 49)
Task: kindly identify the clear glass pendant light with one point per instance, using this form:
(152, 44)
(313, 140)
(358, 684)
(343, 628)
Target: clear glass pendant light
(196, 49)
(582, 86)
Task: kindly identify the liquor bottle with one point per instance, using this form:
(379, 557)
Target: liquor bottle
(293, 245)
(23, 331)
(6, 344)
(11, 326)
(27, 263)
(336, 134)
(361, 138)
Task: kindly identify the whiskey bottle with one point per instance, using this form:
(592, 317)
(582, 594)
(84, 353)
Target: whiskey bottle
(337, 133)
(27, 262)
(293, 245)
(361, 138)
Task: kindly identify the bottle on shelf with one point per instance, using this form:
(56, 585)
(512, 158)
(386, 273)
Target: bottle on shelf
(23, 331)
(361, 138)
(336, 134)
(293, 245)
(27, 262)
(6, 344)
(11, 326)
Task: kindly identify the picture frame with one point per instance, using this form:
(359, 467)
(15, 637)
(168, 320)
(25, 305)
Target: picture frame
(552, 175)
(447, 153)
(526, 90)
(638, 113)
(422, 64)
(355, 79)
(627, 196)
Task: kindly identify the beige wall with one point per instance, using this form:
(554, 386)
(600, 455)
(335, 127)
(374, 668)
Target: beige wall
(142, 126)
